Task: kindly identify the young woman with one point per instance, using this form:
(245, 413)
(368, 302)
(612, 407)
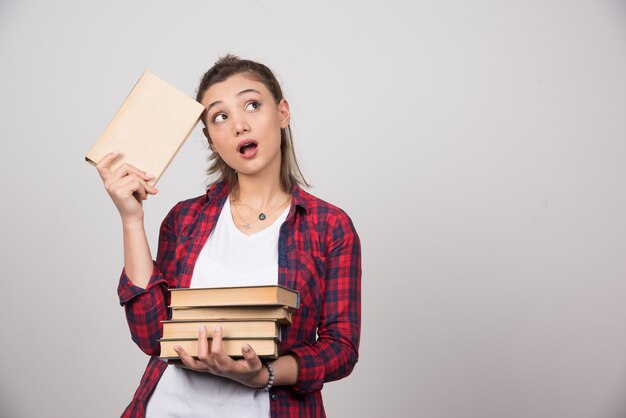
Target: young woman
(254, 225)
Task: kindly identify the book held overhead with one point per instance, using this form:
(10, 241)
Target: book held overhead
(149, 128)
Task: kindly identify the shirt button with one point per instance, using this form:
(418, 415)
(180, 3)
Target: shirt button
(274, 397)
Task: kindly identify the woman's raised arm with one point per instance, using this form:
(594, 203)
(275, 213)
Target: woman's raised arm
(128, 188)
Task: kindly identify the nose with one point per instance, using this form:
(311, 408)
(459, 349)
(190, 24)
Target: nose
(241, 126)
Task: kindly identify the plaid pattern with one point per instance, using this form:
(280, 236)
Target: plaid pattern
(319, 254)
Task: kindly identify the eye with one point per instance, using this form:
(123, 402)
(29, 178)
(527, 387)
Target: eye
(220, 117)
(252, 105)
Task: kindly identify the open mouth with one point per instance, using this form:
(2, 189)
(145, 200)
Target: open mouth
(247, 147)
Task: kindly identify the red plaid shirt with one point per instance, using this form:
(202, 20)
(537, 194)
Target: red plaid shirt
(319, 254)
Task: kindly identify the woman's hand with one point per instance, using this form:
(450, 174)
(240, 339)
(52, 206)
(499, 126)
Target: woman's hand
(127, 186)
(248, 371)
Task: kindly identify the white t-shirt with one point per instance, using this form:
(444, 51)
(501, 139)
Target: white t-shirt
(228, 258)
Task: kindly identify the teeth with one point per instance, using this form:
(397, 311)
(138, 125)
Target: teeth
(245, 145)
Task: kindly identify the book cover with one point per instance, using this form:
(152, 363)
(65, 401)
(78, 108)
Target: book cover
(266, 348)
(281, 314)
(230, 329)
(149, 128)
(235, 296)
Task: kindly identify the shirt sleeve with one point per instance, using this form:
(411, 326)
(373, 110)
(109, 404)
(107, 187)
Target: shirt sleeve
(335, 353)
(146, 308)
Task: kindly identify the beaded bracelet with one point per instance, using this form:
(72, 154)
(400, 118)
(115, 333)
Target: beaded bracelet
(270, 382)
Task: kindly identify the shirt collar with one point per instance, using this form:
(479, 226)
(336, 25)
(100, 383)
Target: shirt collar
(298, 197)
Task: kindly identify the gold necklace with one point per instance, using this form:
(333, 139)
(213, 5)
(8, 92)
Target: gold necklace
(262, 216)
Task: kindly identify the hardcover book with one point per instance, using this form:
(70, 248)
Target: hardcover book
(149, 128)
(234, 296)
(282, 314)
(230, 329)
(266, 348)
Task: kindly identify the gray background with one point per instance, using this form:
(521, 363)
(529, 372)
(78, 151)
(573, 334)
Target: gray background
(477, 145)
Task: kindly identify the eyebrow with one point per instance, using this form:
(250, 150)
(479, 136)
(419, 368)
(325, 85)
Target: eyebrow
(238, 94)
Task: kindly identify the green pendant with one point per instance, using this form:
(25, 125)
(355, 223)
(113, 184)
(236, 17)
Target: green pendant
(262, 216)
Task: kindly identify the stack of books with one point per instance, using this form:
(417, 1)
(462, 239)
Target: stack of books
(249, 314)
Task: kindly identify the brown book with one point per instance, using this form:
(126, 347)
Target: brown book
(230, 329)
(235, 296)
(264, 347)
(149, 128)
(281, 314)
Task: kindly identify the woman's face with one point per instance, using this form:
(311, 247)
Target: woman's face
(243, 123)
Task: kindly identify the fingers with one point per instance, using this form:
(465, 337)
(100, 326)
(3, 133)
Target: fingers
(187, 360)
(214, 360)
(132, 184)
(104, 168)
(218, 361)
(125, 179)
(126, 170)
(206, 356)
(127, 187)
(104, 165)
(216, 343)
(252, 359)
(221, 359)
(203, 344)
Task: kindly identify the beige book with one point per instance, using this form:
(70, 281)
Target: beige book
(281, 314)
(266, 348)
(149, 128)
(234, 296)
(230, 329)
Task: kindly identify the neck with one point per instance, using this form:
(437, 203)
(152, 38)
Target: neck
(260, 191)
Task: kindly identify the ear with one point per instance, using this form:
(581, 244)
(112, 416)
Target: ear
(284, 113)
(205, 131)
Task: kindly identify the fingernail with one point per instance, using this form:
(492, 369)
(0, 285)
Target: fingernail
(177, 348)
(217, 329)
(246, 347)
(150, 176)
(202, 328)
